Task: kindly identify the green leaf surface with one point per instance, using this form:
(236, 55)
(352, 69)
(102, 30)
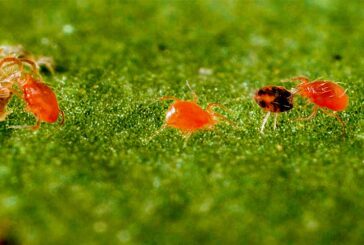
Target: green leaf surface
(97, 180)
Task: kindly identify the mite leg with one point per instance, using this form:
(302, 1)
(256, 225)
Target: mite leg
(37, 125)
(21, 127)
(156, 133)
(275, 121)
(343, 93)
(186, 137)
(313, 114)
(62, 121)
(32, 64)
(306, 105)
(333, 114)
(265, 120)
(225, 119)
(218, 115)
(212, 105)
(302, 79)
(13, 60)
(9, 77)
(294, 91)
(194, 95)
(47, 62)
(168, 98)
(34, 127)
(7, 69)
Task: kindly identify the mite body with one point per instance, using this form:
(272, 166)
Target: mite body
(40, 100)
(188, 117)
(274, 99)
(325, 95)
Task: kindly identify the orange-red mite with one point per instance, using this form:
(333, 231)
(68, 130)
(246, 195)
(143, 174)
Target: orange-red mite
(274, 99)
(324, 94)
(41, 101)
(188, 117)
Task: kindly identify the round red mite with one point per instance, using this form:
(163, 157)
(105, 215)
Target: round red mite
(324, 94)
(188, 117)
(274, 99)
(41, 101)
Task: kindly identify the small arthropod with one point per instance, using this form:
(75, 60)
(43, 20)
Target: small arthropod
(188, 117)
(325, 95)
(39, 98)
(274, 99)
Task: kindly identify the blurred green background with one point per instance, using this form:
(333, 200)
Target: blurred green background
(97, 181)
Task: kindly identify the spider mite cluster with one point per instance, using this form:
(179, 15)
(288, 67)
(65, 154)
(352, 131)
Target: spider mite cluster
(188, 117)
(19, 76)
(327, 96)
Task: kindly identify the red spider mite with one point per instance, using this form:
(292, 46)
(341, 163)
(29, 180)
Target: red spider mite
(40, 99)
(188, 117)
(274, 99)
(325, 95)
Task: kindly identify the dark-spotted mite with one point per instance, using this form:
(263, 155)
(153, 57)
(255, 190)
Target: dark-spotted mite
(274, 99)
